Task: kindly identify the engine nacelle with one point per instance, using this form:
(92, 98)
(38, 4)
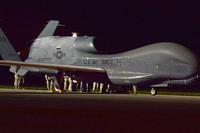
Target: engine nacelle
(85, 44)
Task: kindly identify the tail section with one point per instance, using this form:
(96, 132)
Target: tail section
(49, 29)
(7, 51)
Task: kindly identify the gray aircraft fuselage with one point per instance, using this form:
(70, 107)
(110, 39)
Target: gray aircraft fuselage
(153, 64)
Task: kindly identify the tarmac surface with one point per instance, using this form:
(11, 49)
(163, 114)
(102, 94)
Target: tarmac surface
(40, 111)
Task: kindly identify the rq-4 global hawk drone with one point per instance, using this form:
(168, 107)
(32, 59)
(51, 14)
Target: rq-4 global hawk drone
(156, 65)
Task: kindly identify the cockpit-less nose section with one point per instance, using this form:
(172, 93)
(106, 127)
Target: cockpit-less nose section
(155, 65)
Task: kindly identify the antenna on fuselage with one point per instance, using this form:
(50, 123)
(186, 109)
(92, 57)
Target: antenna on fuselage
(74, 34)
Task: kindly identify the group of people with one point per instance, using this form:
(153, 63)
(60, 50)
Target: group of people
(70, 85)
(97, 87)
(53, 86)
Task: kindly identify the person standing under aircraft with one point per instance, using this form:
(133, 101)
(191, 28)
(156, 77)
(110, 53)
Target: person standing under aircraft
(108, 90)
(17, 81)
(87, 87)
(66, 83)
(47, 81)
(51, 87)
(70, 84)
(81, 86)
(94, 87)
(97, 87)
(22, 81)
(16, 75)
(101, 87)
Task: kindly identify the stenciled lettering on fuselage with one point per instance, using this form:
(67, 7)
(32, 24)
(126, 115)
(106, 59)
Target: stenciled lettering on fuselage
(102, 62)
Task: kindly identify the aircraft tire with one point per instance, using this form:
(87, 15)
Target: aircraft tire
(52, 90)
(153, 92)
(110, 92)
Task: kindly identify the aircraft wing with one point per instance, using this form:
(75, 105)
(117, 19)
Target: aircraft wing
(70, 68)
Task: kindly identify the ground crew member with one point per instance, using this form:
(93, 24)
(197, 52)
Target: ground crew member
(81, 86)
(87, 87)
(66, 78)
(75, 85)
(47, 81)
(70, 84)
(19, 81)
(108, 88)
(101, 88)
(15, 81)
(94, 87)
(51, 87)
(97, 87)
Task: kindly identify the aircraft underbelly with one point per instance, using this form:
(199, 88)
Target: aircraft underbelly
(128, 77)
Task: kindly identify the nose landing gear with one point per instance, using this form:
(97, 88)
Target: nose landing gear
(153, 91)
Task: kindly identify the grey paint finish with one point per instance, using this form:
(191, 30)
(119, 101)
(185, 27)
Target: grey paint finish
(7, 51)
(160, 61)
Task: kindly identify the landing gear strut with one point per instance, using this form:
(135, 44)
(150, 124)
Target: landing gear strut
(153, 91)
(134, 90)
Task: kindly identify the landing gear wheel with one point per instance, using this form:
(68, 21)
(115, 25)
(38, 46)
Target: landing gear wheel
(52, 90)
(110, 92)
(55, 90)
(153, 92)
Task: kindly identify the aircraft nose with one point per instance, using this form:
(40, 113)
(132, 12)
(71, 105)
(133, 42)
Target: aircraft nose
(190, 58)
(184, 56)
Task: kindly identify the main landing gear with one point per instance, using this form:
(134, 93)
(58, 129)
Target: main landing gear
(134, 90)
(153, 91)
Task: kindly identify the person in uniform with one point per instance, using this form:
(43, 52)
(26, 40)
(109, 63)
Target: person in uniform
(81, 87)
(16, 80)
(51, 87)
(101, 88)
(66, 84)
(70, 84)
(20, 81)
(94, 87)
(47, 78)
(108, 88)
(97, 87)
(87, 87)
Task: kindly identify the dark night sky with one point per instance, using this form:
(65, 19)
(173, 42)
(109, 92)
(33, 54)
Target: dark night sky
(118, 25)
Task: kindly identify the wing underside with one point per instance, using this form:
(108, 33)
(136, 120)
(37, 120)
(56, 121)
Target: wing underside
(70, 68)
